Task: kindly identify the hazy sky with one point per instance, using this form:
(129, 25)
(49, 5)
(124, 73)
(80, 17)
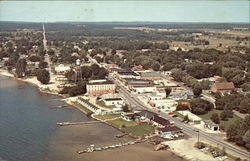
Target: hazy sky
(169, 11)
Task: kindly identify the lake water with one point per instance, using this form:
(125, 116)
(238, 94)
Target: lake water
(26, 121)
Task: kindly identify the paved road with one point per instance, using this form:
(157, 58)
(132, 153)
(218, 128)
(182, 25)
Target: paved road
(188, 129)
(46, 57)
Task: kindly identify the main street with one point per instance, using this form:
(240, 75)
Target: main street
(188, 129)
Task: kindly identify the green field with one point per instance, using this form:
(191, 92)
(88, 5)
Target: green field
(139, 130)
(120, 122)
(226, 124)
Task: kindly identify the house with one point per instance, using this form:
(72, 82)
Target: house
(161, 92)
(100, 87)
(164, 104)
(168, 130)
(192, 117)
(223, 87)
(129, 116)
(138, 68)
(154, 96)
(181, 94)
(62, 68)
(140, 89)
(151, 76)
(210, 125)
(146, 115)
(160, 122)
(110, 66)
(113, 101)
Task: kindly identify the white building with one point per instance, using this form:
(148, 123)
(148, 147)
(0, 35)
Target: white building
(164, 104)
(113, 101)
(100, 87)
(89, 106)
(210, 125)
(191, 116)
(62, 68)
(154, 96)
(139, 89)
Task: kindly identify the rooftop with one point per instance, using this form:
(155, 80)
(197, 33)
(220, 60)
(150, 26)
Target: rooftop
(224, 85)
(150, 74)
(161, 120)
(169, 129)
(113, 99)
(100, 83)
(210, 123)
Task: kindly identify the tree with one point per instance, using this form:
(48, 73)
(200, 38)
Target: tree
(186, 118)
(125, 108)
(43, 76)
(43, 64)
(168, 91)
(246, 139)
(197, 90)
(223, 115)
(245, 105)
(155, 66)
(215, 118)
(21, 67)
(51, 52)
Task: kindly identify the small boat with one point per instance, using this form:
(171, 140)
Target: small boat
(105, 147)
(98, 149)
(120, 135)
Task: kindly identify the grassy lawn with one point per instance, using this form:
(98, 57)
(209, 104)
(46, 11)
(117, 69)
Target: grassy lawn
(224, 123)
(87, 111)
(119, 122)
(102, 104)
(104, 117)
(139, 130)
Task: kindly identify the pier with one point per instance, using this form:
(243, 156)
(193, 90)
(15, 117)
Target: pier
(92, 148)
(77, 123)
(58, 106)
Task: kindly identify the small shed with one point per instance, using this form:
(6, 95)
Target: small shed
(211, 125)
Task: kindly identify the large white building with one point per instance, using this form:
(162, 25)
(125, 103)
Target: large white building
(62, 68)
(100, 87)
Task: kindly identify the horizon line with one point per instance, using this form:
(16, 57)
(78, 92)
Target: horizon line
(124, 22)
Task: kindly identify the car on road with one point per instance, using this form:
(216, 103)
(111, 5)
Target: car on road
(174, 116)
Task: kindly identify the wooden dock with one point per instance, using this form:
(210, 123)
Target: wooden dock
(77, 123)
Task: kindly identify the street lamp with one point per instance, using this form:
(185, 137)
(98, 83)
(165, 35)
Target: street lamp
(198, 131)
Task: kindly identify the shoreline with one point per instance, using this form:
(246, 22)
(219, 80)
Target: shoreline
(68, 101)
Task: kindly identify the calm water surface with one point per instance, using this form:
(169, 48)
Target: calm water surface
(26, 121)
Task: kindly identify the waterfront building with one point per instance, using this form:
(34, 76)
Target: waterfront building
(113, 101)
(100, 87)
